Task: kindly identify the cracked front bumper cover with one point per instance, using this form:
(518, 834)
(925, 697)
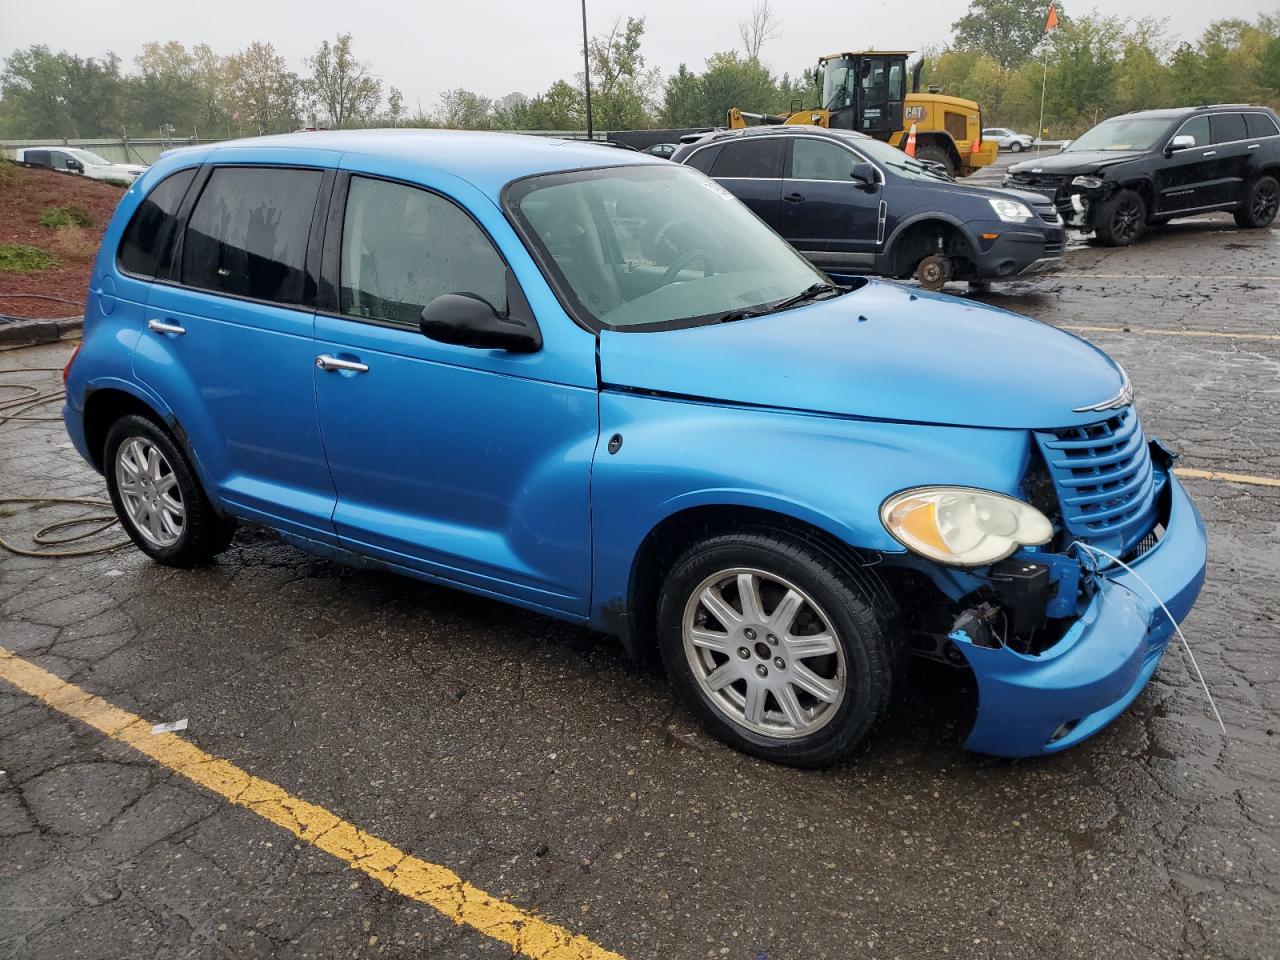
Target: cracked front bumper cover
(1031, 705)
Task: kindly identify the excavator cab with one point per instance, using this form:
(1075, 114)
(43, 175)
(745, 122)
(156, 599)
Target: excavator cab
(865, 90)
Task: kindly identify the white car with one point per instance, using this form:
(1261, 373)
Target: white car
(77, 160)
(1006, 139)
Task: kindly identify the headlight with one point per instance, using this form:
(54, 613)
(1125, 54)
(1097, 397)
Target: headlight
(963, 526)
(1010, 211)
(1089, 183)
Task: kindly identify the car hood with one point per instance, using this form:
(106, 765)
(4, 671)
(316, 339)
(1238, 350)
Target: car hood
(1085, 161)
(882, 352)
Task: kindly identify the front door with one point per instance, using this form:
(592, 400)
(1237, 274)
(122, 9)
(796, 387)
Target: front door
(469, 465)
(1185, 181)
(829, 217)
(227, 345)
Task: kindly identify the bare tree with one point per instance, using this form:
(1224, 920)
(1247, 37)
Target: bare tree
(341, 85)
(761, 27)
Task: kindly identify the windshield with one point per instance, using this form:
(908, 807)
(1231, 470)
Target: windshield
(89, 157)
(656, 245)
(884, 155)
(1131, 133)
(837, 83)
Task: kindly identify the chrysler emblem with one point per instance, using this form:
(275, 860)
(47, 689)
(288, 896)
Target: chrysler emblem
(1123, 398)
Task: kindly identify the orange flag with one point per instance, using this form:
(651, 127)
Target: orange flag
(1052, 22)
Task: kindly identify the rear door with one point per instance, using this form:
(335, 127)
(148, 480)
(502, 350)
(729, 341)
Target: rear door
(751, 169)
(1185, 180)
(228, 342)
(1231, 143)
(827, 216)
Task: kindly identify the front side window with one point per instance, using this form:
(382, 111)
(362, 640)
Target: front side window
(654, 246)
(402, 247)
(247, 235)
(1197, 127)
(150, 233)
(749, 158)
(1123, 134)
(1227, 127)
(820, 160)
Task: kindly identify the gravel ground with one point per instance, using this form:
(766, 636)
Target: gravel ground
(539, 763)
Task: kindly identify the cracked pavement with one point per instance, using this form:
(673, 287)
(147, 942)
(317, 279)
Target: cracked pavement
(537, 762)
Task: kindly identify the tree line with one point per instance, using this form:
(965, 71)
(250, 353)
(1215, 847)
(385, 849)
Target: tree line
(1096, 65)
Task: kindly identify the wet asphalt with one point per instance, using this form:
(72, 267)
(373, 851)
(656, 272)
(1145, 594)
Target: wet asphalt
(539, 763)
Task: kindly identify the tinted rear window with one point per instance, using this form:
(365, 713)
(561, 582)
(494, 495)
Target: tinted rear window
(248, 233)
(703, 159)
(757, 159)
(1227, 127)
(1260, 125)
(149, 236)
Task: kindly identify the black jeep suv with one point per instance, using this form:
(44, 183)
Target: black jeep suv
(1150, 167)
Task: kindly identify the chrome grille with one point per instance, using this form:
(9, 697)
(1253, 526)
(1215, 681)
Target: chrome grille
(1104, 479)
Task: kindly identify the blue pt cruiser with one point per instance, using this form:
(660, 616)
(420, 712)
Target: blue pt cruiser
(594, 384)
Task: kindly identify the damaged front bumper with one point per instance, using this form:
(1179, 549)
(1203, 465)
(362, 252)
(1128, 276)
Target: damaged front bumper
(1031, 705)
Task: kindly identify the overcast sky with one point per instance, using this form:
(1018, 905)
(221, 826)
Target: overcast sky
(495, 47)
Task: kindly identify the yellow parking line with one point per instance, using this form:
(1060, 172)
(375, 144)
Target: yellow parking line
(428, 883)
(1155, 331)
(1228, 477)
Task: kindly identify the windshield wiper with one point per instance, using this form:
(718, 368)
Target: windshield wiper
(733, 315)
(811, 292)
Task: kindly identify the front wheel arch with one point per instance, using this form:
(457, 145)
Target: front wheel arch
(678, 532)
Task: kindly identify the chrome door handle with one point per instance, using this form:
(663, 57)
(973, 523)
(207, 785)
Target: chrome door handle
(159, 326)
(326, 362)
(1255, 146)
(1209, 153)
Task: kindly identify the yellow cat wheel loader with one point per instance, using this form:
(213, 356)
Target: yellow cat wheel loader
(867, 91)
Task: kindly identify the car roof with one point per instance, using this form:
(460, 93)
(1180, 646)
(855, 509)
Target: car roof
(488, 160)
(775, 129)
(1176, 113)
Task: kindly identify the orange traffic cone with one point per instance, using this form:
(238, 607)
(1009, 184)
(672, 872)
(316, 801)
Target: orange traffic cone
(910, 148)
(975, 145)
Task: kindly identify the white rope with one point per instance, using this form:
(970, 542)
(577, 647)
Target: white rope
(1186, 646)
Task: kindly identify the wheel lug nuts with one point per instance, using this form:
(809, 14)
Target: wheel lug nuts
(779, 663)
(743, 652)
(772, 640)
(749, 633)
(762, 671)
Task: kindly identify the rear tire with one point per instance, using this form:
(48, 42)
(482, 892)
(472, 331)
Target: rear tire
(1260, 204)
(158, 498)
(1121, 219)
(801, 672)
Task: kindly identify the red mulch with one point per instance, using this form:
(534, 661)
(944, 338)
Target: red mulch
(20, 209)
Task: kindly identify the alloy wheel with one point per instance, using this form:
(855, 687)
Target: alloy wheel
(149, 492)
(1265, 201)
(1126, 221)
(764, 652)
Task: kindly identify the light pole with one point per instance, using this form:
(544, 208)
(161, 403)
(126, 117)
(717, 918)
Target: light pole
(586, 67)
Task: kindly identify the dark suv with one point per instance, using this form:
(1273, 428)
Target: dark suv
(852, 204)
(1147, 168)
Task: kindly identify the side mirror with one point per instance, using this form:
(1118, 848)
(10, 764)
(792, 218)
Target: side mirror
(864, 173)
(467, 320)
(74, 164)
(1183, 141)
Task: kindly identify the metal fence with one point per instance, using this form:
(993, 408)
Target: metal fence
(147, 150)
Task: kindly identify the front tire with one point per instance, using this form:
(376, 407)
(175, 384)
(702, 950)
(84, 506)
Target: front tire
(1121, 219)
(157, 497)
(1260, 204)
(778, 652)
(1015, 147)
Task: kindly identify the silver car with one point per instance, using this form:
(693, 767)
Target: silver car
(1006, 139)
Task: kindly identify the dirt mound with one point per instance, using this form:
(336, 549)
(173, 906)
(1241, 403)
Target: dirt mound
(25, 194)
